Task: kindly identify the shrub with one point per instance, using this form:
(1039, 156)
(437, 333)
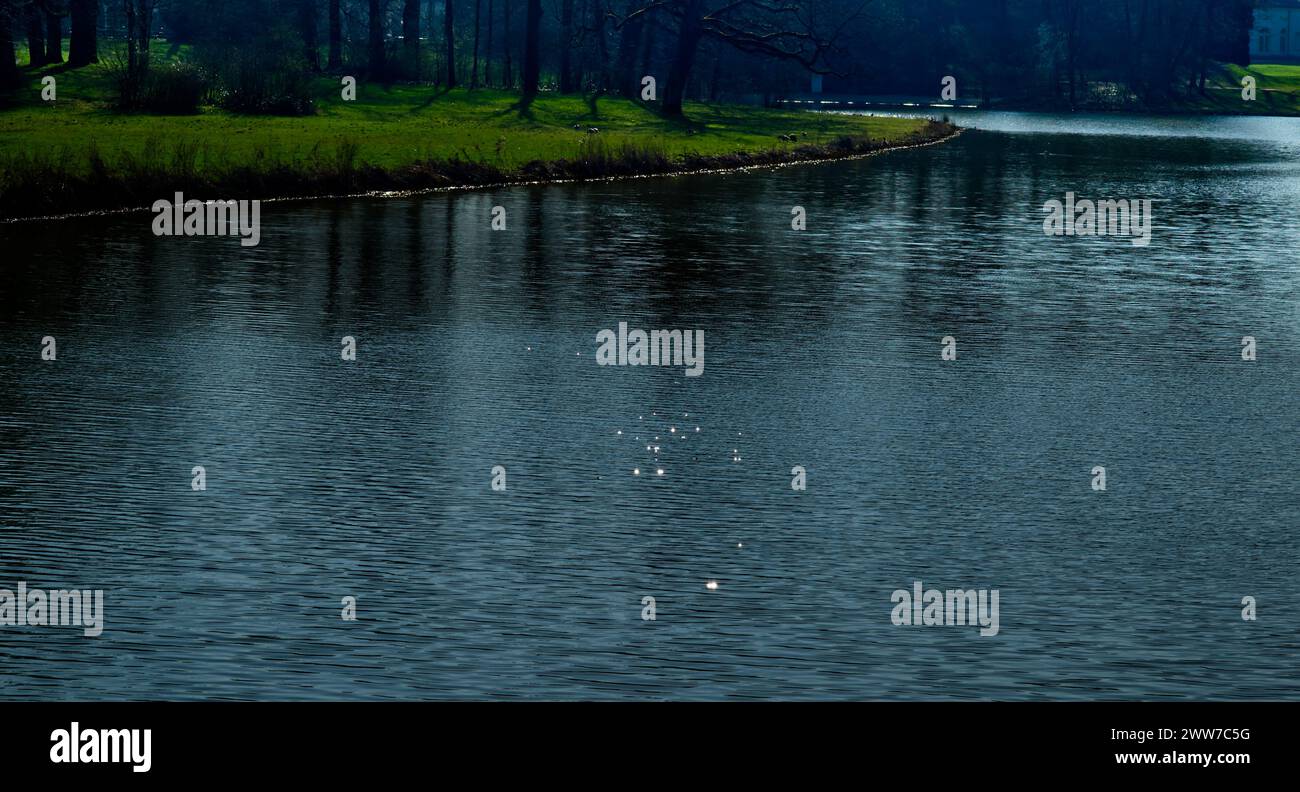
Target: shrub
(249, 88)
(173, 88)
(264, 76)
(176, 88)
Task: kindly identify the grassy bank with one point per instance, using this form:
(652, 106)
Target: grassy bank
(1277, 91)
(1277, 94)
(78, 154)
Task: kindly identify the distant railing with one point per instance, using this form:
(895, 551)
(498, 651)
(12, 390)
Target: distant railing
(881, 102)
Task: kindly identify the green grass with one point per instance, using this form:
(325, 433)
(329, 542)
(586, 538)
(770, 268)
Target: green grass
(390, 127)
(402, 124)
(1277, 90)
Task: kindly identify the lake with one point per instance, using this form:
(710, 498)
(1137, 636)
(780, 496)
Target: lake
(475, 348)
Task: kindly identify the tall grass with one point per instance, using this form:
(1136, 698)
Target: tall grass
(35, 183)
(169, 87)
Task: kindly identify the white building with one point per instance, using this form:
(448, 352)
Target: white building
(1276, 35)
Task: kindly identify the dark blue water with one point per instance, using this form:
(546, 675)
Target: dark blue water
(371, 479)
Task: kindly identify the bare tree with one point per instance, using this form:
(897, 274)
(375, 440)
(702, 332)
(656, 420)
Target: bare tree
(54, 11)
(778, 29)
(478, 7)
(84, 46)
(599, 19)
(35, 33)
(308, 24)
(378, 63)
(487, 63)
(508, 75)
(594, 46)
(449, 35)
(629, 43)
(336, 36)
(139, 27)
(566, 46)
(8, 59)
(532, 54)
(411, 37)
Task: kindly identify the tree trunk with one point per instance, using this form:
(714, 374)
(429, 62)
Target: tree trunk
(35, 36)
(629, 41)
(8, 60)
(84, 47)
(411, 37)
(309, 23)
(132, 59)
(336, 36)
(143, 27)
(602, 47)
(508, 72)
(53, 38)
(487, 60)
(532, 54)
(688, 43)
(713, 78)
(566, 46)
(449, 36)
(478, 8)
(583, 48)
(648, 53)
(375, 48)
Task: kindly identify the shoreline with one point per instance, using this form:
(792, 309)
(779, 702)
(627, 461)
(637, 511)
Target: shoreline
(933, 111)
(429, 177)
(1181, 112)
